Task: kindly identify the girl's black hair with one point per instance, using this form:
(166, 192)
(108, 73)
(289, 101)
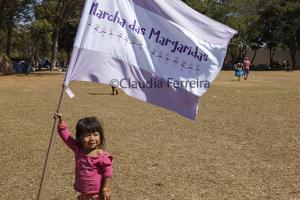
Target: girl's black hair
(90, 125)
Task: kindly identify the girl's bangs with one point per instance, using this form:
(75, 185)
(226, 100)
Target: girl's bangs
(90, 128)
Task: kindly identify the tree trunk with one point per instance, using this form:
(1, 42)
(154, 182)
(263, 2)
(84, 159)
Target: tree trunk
(34, 49)
(292, 50)
(9, 35)
(54, 47)
(255, 52)
(2, 3)
(270, 51)
(244, 52)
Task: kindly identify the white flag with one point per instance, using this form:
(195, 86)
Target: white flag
(161, 52)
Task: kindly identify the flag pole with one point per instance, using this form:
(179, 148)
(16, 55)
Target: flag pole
(50, 147)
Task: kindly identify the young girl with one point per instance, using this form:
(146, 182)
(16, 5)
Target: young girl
(93, 165)
(239, 71)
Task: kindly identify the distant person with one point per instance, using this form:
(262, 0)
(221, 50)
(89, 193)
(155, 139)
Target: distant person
(93, 164)
(247, 65)
(115, 90)
(285, 65)
(238, 68)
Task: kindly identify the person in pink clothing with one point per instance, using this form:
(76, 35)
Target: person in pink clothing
(93, 164)
(247, 65)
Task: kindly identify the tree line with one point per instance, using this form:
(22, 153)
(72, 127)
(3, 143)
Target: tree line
(46, 28)
(260, 23)
(39, 28)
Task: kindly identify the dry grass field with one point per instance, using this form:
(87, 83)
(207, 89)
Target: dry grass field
(244, 144)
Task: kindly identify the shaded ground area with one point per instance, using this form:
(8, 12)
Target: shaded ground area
(243, 145)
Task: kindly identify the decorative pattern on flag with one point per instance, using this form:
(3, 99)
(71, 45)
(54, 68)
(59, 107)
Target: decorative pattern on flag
(161, 52)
